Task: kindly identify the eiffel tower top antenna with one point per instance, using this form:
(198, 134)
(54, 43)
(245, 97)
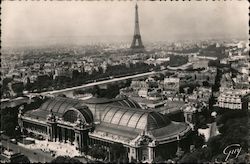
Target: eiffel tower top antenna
(137, 42)
(137, 28)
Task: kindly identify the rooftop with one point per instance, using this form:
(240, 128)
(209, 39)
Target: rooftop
(134, 118)
(59, 106)
(120, 101)
(119, 117)
(131, 122)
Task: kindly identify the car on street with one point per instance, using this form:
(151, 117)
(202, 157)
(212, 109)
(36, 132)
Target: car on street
(13, 140)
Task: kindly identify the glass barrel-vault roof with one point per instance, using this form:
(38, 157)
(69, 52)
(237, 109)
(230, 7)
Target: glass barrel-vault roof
(121, 101)
(134, 118)
(59, 106)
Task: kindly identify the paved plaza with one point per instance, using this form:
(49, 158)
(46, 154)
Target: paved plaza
(54, 148)
(44, 151)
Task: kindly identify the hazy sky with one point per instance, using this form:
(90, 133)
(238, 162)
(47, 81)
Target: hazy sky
(32, 22)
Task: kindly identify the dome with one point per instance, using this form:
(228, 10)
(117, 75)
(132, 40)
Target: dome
(119, 101)
(137, 119)
(79, 112)
(59, 105)
(66, 108)
(156, 120)
(125, 102)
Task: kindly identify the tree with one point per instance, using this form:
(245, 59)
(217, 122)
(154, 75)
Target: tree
(9, 115)
(9, 120)
(201, 155)
(128, 83)
(98, 152)
(157, 68)
(234, 131)
(18, 87)
(28, 85)
(65, 159)
(190, 158)
(218, 77)
(20, 159)
(205, 84)
(43, 81)
(62, 95)
(232, 114)
(200, 121)
(234, 128)
(36, 103)
(214, 63)
(158, 159)
(76, 78)
(4, 86)
(199, 141)
(96, 91)
(244, 158)
(133, 160)
(118, 152)
(177, 60)
(112, 91)
(75, 75)
(100, 70)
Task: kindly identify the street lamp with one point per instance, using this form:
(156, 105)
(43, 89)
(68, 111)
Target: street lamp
(19, 129)
(109, 154)
(36, 156)
(1, 132)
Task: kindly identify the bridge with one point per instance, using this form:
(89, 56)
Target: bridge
(112, 80)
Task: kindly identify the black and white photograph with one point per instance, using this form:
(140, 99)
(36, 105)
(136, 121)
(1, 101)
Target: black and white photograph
(125, 81)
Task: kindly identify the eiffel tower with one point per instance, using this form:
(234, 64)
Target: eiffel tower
(137, 45)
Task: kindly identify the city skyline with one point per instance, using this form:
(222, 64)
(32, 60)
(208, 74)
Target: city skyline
(82, 22)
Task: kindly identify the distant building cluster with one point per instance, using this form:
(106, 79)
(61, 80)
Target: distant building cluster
(233, 98)
(27, 66)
